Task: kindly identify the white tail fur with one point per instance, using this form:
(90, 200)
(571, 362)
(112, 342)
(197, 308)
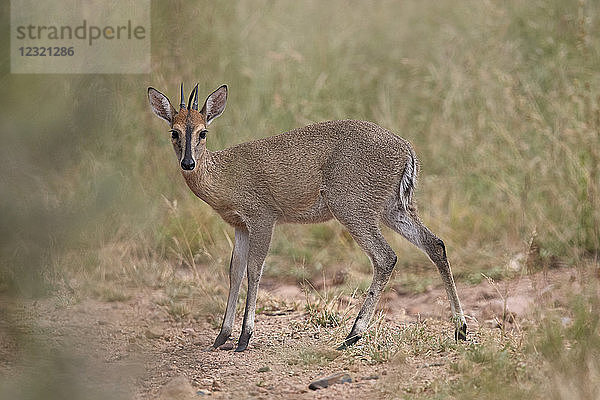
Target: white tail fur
(408, 182)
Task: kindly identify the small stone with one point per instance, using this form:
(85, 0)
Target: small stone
(154, 332)
(226, 346)
(203, 392)
(264, 369)
(101, 322)
(321, 383)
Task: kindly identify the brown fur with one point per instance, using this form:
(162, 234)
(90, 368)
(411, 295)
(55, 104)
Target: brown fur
(289, 176)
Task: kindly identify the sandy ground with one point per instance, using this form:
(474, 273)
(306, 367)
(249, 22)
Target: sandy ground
(134, 349)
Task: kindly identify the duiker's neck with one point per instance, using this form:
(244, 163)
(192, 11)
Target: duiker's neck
(199, 180)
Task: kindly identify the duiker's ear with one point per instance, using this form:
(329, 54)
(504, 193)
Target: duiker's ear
(161, 105)
(214, 104)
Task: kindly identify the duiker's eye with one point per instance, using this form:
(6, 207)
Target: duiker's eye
(203, 134)
(174, 135)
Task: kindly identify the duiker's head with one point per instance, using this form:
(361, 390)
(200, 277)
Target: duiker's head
(188, 125)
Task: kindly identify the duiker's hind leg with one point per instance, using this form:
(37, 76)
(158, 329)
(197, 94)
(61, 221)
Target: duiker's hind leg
(383, 258)
(408, 224)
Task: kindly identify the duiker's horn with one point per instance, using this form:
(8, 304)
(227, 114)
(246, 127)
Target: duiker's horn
(182, 103)
(195, 105)
(194, 91)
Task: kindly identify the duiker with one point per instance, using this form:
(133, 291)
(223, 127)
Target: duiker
(354, 171)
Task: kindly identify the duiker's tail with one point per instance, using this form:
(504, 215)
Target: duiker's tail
(409, 180)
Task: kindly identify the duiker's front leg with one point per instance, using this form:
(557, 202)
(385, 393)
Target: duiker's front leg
(260, 239)
(237, 268)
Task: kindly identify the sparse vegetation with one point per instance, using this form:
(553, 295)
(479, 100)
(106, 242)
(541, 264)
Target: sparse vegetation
(324, 312)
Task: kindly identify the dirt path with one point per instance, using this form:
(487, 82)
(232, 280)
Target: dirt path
(136, 348)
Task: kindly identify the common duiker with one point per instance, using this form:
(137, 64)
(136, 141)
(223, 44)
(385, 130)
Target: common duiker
(354, 171)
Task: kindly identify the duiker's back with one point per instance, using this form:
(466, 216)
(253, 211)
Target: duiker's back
(297, 168)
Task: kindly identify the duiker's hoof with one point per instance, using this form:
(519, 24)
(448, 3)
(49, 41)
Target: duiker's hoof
(226, 346)
(461, 334)
(349, 341)
(243, 342)
(240, 348)
(220, 340)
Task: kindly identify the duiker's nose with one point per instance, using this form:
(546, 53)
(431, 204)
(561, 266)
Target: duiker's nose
(188, 164)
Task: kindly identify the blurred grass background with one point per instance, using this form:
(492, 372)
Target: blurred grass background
(501, 101)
